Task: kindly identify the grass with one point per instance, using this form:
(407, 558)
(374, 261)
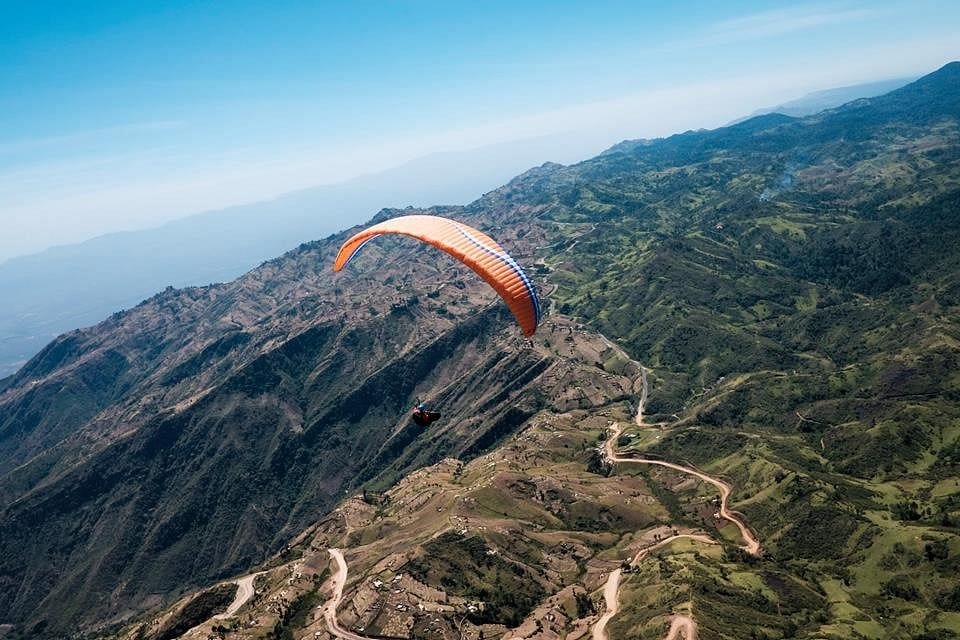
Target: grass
(467, 567)
(296, 615)
(810, 349)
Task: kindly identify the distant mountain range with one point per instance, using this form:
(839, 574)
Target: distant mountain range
(792, 286)
(829, 98)
(78, 285)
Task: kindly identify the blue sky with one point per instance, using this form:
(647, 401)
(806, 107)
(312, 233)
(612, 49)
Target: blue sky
(124, 114)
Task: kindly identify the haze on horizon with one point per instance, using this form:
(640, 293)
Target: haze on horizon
(134, 114)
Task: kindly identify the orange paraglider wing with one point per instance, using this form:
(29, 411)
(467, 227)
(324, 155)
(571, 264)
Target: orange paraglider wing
(469, 246)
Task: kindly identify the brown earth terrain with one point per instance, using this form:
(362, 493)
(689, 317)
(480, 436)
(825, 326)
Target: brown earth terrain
(531, 506)
(803, 357)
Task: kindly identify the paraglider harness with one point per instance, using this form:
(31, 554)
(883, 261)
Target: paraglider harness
(422, 417)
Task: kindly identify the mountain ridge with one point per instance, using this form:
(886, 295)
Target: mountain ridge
(45, 296)
(667, 247)
(823, 99)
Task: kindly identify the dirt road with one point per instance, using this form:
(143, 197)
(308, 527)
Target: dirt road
(339, 581)
(642, 402)
(638, 418)
(691, 536)
(682, 626)
(611, 595)
(244, 593)
(750, 543)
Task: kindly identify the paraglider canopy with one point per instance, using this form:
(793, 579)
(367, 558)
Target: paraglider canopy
(471, 247)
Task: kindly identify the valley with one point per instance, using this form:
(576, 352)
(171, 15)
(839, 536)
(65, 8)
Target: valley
(376, 565)
(781, 465)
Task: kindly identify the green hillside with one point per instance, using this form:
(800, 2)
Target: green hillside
(793, 286)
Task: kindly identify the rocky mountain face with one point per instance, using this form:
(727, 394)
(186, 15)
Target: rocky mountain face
(72, 286)
(188, 437)
(791, 284)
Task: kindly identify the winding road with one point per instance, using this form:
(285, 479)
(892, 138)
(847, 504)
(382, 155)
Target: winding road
(750, 542)
(338, 582)
(682, 626)
(245, 591)
(611, 595)
(691, 536)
